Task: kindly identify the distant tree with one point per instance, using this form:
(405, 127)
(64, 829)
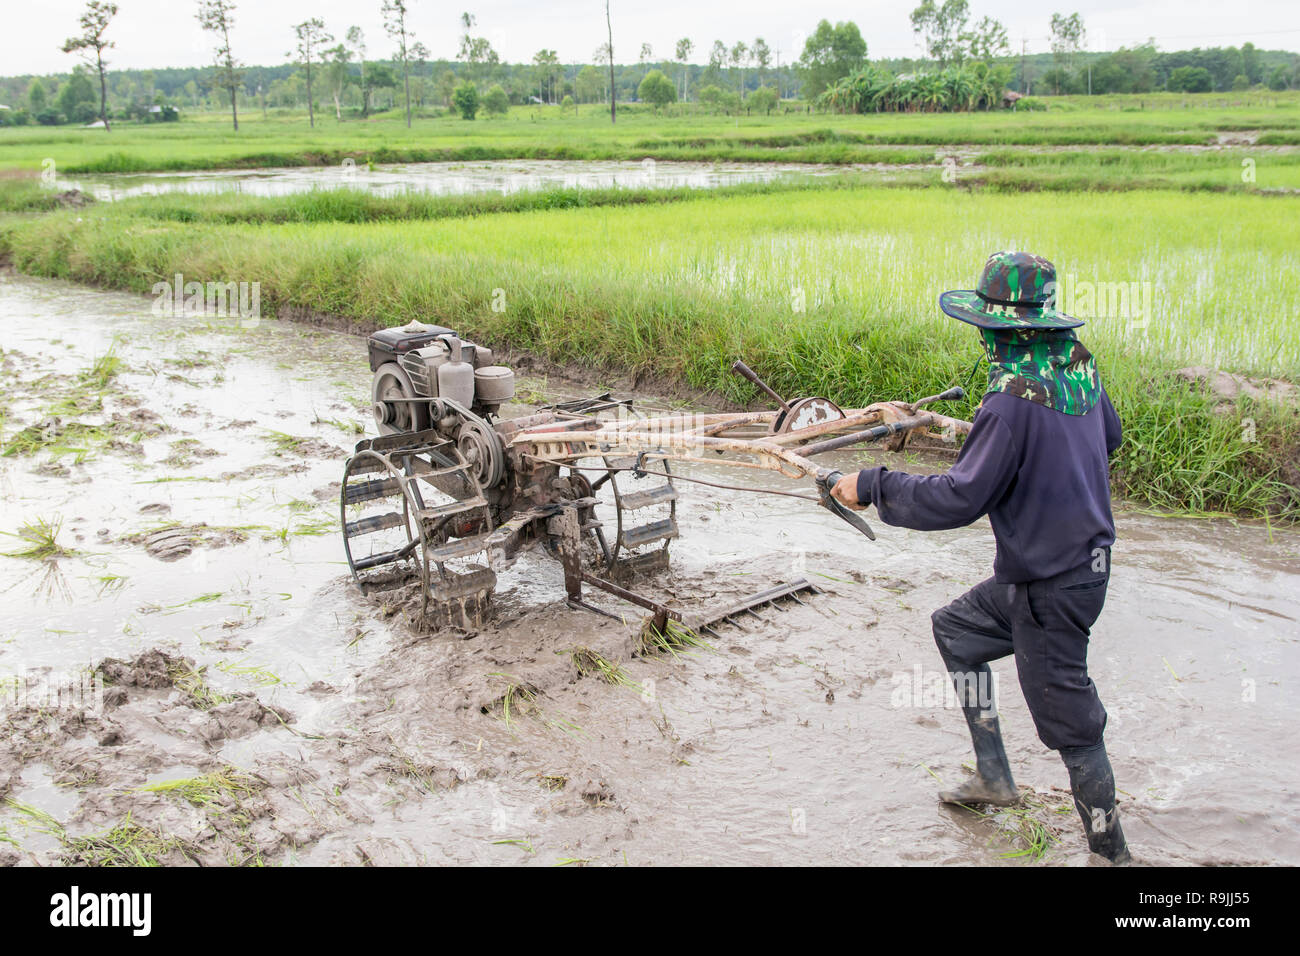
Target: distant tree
(647, 54)
(709, 96)
(590, 85)
(1067, 40)
(395, 12)
(337, 71)
(568, 104)
(1190, 79)
(609, 47)
(718, 100)
(739, 56)
(445, 86)
(356, 43)
(466, 101)
(763, 99)
(475, 52)
(36, 97)
(218, 17)
(1251, 65)
(94, 23)
(1127, 70)
(684, 48)
(546, 69)
(312, 36)
(656, 89)
(495, 101)
(942, 28)
(717, 60)
(761, 55)
(1277, 80)
(986, 40)
(380, 76)
(832, 52)
(76, 99)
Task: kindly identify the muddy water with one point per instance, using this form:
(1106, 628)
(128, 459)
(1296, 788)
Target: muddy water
(503, 176)
(818, 733)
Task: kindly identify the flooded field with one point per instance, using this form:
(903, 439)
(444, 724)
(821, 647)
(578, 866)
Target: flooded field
(502, 176)
(173, 483)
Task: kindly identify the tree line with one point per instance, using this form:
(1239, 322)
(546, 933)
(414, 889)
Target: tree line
(965, 64)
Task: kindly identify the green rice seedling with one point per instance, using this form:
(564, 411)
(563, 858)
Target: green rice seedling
(520, 699)
(123, 845)
(675, 639)
(207, 598)
(588, 661)
(190, 681)
(36, 818)
(523, 844)
(257, 675)
(102, 371)
(224, 787)
(1033, 826)
(515, 694)
(56, 437)
(41, 540)
(126, 844)
(350, 426)
(285, 443)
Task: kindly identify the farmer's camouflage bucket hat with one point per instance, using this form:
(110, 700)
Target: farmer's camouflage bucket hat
(1017, 290)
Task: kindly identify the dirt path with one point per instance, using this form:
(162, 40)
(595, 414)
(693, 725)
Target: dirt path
(255, 708)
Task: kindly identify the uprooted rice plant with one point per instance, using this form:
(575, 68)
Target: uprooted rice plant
(39, 540)
(222, 789)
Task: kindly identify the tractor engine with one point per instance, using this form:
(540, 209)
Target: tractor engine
(419, 361)
(427, 377)
(444, 499)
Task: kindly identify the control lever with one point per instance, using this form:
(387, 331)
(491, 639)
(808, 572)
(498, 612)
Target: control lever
(826, 480)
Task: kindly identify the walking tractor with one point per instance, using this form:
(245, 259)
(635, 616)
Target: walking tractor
(452, 490)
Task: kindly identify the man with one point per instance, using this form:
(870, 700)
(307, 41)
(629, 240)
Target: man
(1036, 462)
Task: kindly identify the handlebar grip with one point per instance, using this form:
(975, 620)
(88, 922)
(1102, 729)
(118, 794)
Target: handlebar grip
(749, 375)
(827, 481)
(953, 394)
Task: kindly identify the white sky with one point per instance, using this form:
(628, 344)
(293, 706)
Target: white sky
(161, 33)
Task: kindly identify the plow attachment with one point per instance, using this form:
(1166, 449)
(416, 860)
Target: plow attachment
(735, 613)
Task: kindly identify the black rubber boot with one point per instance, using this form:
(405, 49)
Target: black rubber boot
(992, 783)
(1093, 783)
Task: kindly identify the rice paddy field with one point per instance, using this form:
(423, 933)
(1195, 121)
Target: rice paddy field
(789, 134)
(1172, 221)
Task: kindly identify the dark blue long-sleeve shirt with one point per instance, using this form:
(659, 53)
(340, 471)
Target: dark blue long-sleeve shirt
(1042, 477)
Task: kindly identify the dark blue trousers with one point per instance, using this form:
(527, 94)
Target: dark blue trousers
(1045, 624)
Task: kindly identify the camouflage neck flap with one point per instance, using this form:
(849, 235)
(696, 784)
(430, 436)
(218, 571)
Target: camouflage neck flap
(1051, 368)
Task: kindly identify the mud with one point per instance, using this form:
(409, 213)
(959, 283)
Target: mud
(253, 707)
